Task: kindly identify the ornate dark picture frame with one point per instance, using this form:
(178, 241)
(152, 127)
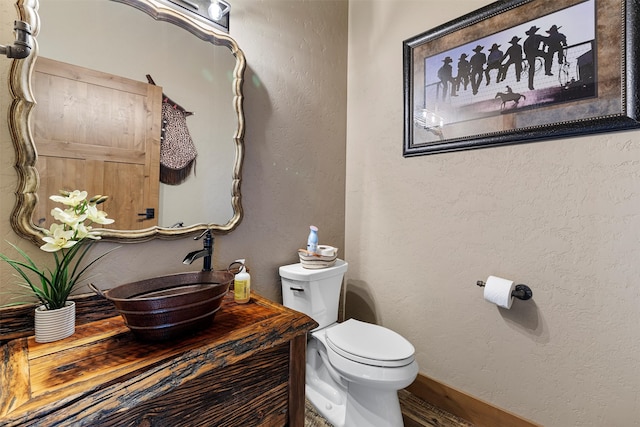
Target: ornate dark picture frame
(522, 70)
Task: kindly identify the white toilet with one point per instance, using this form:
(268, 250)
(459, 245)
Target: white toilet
(354, 369)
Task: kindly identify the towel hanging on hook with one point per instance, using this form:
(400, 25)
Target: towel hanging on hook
(177, 151)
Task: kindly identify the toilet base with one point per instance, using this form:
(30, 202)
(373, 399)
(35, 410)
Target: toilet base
(344, 403)
(360, 409)
(380, 409)
(323, 387)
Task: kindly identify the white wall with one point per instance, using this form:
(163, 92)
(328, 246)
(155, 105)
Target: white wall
(562, 216)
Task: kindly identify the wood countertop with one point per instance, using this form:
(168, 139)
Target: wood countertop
(102, 371)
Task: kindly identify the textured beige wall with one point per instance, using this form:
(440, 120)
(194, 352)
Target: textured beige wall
(294, 169)
(562, 216)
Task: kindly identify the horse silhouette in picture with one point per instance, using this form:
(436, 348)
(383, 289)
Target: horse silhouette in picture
(509, 96)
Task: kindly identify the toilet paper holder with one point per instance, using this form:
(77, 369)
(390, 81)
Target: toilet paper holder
(521, 291)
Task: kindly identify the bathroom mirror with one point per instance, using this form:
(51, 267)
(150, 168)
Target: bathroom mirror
(204, 74)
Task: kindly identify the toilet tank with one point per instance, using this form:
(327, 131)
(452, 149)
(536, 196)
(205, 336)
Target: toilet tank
(314, 292)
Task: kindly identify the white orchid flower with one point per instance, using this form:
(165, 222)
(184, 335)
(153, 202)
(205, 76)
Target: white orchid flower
(72, 199)
(58, 238)
(90, 234)
(85, 231)
(68, 217)
(98, 216)
(71, 237)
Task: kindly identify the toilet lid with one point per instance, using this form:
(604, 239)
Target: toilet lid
(370, 344)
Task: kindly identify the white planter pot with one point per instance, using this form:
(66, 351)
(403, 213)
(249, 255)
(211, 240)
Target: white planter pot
(54, 325)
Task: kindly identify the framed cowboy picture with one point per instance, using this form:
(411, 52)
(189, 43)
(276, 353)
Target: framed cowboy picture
(521, 70)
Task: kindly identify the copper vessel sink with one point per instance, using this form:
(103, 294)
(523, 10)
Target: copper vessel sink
(171, 306)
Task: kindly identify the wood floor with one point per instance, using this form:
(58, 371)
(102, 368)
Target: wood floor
(416, 413)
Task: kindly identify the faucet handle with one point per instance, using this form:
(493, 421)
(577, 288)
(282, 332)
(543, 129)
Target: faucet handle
(201, 235)
(208, 240)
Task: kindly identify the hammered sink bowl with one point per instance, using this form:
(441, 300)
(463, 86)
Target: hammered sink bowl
(172, 306)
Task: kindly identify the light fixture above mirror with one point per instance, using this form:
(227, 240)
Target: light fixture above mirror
(218, 9)
(217, 12)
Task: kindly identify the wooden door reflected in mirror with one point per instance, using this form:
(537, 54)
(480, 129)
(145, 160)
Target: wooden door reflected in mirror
(78, 150)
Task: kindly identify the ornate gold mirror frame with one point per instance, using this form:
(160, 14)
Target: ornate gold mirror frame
(25, 149)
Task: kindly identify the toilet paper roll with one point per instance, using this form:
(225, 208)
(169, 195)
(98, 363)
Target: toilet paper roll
(498, 291)
(325, 250)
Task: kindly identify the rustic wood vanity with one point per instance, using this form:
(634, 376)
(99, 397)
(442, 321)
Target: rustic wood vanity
(246, 369)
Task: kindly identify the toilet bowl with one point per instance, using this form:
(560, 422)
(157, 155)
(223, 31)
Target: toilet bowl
(354, 369)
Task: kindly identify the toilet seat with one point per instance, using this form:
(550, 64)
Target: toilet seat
(369, 344)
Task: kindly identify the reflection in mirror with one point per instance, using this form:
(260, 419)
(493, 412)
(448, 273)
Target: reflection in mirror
(203, 74)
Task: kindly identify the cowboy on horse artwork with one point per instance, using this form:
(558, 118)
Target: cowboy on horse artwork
(509, 96)
(534, 64)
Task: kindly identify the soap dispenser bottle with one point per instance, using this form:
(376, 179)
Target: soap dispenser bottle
(312, 240)
(242, 285)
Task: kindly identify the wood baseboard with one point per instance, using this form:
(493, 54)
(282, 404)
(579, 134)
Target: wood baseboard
(465, 406)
